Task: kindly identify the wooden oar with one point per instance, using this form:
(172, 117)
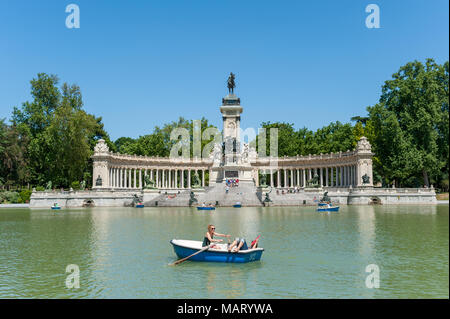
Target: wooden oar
(179, 261)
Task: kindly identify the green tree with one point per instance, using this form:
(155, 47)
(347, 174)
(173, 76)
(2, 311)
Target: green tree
(13, 162)
(61, 134)
(411, 122)
(158, 143)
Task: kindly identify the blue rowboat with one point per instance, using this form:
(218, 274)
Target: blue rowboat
(56, 207)
(237, 205)
(328, 209)
(217, 253)
(205, 208)
(139, 206)
(323, 204)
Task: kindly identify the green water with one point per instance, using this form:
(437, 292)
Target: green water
(125, 252)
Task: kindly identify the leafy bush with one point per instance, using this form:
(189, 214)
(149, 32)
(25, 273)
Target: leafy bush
(75, 185)
(9, 197)
(40, 188)
(24, 196)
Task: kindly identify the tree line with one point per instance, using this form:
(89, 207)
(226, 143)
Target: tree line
(52, 138)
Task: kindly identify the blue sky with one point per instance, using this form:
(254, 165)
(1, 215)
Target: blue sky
(145, 63)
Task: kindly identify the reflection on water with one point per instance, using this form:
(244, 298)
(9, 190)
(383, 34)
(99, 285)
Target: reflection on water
(125, 252)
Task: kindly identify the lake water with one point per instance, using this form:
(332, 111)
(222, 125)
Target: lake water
(125, 252)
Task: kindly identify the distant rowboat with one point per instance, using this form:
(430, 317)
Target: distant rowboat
(217, 253)
(139, 206)
(56, 207)
(205, 208)
(328, 209)
(237, 205)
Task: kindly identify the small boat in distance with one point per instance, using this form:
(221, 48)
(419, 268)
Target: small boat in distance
(55, 206)
(139, 205)
(206, 208)
(328, 208)
(217, 253)
(237, 205)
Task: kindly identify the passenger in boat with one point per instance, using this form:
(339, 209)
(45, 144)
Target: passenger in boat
(254, 243)
(237, 244)
(209, 236)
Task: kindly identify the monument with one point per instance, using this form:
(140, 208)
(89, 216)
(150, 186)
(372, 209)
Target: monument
(232, 160)
(296, 180)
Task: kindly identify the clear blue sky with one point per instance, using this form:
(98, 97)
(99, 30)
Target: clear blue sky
(144, 63)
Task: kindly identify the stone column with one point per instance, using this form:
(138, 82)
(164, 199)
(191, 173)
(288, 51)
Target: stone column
(169, 178)
(321, 177)
(140, 178)
(285, 184)
(189, 178)
(176, 178)
(203, 178)
(304, 177)
(278, 178)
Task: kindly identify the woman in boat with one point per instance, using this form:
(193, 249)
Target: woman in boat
(209, 236)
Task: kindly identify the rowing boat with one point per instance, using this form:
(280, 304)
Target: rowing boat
(205, 208)
(328, 209)
(217, 253)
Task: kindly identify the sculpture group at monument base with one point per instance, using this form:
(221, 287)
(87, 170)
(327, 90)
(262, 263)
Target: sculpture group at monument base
(247, 195)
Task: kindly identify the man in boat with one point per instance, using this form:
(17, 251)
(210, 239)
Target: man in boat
(209, 236)
(237, 244)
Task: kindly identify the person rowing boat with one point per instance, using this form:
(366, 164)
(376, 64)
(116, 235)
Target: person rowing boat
(209, 236)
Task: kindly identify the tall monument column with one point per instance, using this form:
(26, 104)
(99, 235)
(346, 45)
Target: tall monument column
(231, 160)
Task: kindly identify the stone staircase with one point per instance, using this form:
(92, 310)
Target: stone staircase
(245, 193)
(170, 199)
